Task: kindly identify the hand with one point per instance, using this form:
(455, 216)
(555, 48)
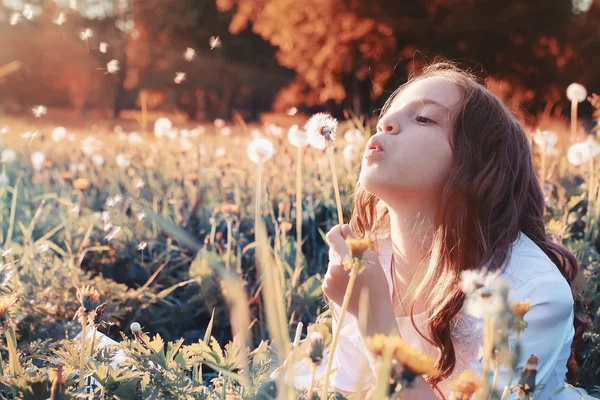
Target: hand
(372, 278)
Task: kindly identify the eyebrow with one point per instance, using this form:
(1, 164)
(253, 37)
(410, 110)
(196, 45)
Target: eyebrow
(425, 101)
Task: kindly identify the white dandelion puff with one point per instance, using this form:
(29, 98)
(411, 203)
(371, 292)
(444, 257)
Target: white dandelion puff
(321, 130)
(4, 180)
(75, 210)
(291, 111)
(545, 139)
(15, 18)
(162, 126)
(275, 130)
(576, 92)
(580, 153)
(39, 110)
(59, 134)
(225, 131)
(97, 160)
(219, 122)
(113, 233)
(112, 67)
(28, 11)
(123, 161)
(142, 245)
(134, 138)
(42, 248)
(103, 47)
(260, 150)
(8, 156)
(297, 136)
(214, 42)
(189, 54)
(139, 184)
(86, 34)
(37, 160)
(220, 152)
(61, 19)
(179, 77)
(6, 252)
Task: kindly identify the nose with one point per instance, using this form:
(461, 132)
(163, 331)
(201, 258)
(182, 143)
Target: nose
(386, 125)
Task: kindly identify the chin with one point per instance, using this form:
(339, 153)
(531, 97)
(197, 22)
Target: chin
(371, 184)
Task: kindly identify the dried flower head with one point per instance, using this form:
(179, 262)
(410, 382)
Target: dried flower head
(214, 42)
(358, 246)
(576, 92)
(376, 344)
(545, 139)
(321, 129)
(520, 308)
(315, 351)
(88, 297)
(260, 150)
(526, 385)
(464, 386)
(5, 303)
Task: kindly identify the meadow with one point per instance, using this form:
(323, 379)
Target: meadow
(150, 239)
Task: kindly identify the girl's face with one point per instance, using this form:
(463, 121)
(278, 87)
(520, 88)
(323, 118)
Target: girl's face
(410, 153)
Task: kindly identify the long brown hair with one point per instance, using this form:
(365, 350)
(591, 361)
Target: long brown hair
(493, 194)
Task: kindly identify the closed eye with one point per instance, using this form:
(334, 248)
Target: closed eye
(423, 120)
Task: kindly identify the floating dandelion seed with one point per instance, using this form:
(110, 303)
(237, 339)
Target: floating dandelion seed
(142, 246)
(86, 34)
(61, 19)
(291, 111)
(140, 184)
(214, 42)
(141, 216)
(40, 110)
(260, 150)
(103, 47)
(321, 130)
(6, 252)
(75, 210)
(59, 134)
(112, 66)
(15, 18)
(189, 54)
(179, 77)
(112, 234)
(28, 11)
(42, 248)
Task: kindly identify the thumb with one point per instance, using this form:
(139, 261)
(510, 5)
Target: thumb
(346, 231)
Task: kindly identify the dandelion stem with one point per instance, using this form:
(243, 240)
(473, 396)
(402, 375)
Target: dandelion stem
(488, 340)
(13, 355)
(82, 351)
(336, 188)
(543, 167)
(573, 119)
(313, 369)
(590, 210)
(510, 374)
(93, 342)
(298, 207)
(229, 240)
(224, 390)
(338, 328)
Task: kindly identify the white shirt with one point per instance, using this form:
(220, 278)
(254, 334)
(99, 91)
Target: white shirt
(530, 275)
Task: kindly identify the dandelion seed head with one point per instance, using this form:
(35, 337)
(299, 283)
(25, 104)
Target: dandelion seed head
(59, 134)
(123, 161)
(61, 19)
(42, 248)
(226, 131)
(576, 92)
(297, 137)
(8, 156)
(321, 129)
(86, 34)
(189, 54)
(28, 11)
(162, 126)
(545, 139)
(15, 18)
(6, 252)
(135, 139)
(140, 184)
(179, 77)
(112, 67)
(39, 110)
(37, 160)
(135, 327)
(260, 150)
(97, 160)
(214, 42)
(219, 122)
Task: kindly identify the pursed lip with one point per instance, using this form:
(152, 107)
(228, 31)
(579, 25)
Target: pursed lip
(374, 144)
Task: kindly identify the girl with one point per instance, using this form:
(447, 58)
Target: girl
(446, 185)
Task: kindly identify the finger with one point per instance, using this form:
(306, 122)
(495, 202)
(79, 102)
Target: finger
(337, 244)
(346, 231)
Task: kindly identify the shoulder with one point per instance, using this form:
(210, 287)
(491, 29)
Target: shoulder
(532, 275)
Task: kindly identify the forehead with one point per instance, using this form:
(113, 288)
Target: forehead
(436, 88)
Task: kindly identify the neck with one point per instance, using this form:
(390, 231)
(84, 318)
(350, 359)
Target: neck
(411, 233)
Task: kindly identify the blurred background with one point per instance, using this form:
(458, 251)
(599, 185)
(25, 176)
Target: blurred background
(207, 59)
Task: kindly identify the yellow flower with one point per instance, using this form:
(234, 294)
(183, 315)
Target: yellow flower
(464, 386)
(81, 184)
(230, 208)
(67, 176)
(520, 308)
(415, 361)
(376, 343)
(358, 246)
